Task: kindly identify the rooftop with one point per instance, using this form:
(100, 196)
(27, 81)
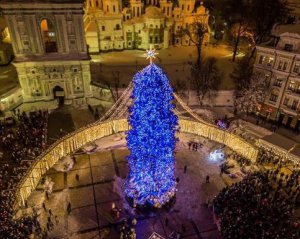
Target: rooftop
(154, 12)
(290, 28)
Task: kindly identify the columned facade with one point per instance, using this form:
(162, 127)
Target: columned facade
(50, 49)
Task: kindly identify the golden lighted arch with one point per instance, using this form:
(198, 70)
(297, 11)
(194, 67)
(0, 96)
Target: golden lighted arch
(74, 141)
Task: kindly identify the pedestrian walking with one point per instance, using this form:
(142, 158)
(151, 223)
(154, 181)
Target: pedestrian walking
(50, 212)
(183, 229)
(47, 195)
(44, 206)
(207, 179)
(166, 222)
(56, 220)
(185, 168)
(69, 208)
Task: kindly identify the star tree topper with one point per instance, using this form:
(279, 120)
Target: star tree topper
(150, 54)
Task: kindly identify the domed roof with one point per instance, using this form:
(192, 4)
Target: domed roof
(153, 12)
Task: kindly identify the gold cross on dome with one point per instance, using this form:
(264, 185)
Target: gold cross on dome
(150, 54)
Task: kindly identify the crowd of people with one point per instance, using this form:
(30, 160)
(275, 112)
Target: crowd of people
(20, 144)
(267, 157)
(260, 206)
(194, 145)
(28, 139)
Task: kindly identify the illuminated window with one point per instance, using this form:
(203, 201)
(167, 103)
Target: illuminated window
(270, 61)
(292, 85)
(49, 36)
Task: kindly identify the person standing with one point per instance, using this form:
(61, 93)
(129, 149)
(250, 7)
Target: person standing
(166, 222)
(185, 168)
(69, 208)
(47, 195)
(207, 179)
(50, 212)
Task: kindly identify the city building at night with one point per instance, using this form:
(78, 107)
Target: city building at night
(121, 119)
(111, 26)
(279, 61)
(50, 50)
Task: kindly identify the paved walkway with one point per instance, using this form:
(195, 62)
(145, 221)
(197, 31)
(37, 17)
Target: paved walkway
(282, 130)
(175, 61)
(92, 195)
(8, 78)
(68, 119)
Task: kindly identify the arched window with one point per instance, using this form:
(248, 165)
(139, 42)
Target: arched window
(49, 36)
(118, 27)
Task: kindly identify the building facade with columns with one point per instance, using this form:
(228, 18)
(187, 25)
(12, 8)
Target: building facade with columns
(111, 26)
(279, 61)
(50, 49)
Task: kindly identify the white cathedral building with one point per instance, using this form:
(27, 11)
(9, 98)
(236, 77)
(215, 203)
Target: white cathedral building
(155, 23)
(52, 39)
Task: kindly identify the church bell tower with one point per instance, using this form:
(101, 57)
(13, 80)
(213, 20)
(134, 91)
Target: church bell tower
(50, 49)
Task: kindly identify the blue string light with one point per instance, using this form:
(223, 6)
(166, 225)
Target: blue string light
(151, 139)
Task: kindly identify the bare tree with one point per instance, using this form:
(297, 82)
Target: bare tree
(179, 87)
(238, 31)
(206, 79)
(113, 84)
(196, 33)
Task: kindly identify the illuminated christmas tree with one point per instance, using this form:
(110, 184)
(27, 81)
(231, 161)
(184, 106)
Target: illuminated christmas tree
(151, 139)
